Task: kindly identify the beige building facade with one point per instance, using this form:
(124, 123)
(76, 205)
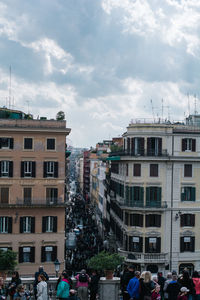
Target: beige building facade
(32, 192)
(155, 196)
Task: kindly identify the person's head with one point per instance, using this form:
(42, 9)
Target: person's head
(159, 274)
(83, 271)
(137, 274)
(41, 269)
(15, 274)
(20, 288)
(72, 292)
(147, 276)
(169, 275)
(184, 290)
(195, 274)
(41, 277)
(174, 277)
(157, 288)
(143, 275)
(186, 275)
(174, 272)
(131, 268)
(155, 278)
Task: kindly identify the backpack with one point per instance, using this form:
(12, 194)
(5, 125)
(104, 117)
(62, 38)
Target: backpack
(83, 277)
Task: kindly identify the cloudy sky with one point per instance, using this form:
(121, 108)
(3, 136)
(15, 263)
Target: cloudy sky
(101, 61)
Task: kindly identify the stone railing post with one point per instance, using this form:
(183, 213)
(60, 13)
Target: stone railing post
(109, 288)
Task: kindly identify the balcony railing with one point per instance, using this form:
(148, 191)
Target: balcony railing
(144, 257)
(150, 152)
(140, 203)
(35, 202)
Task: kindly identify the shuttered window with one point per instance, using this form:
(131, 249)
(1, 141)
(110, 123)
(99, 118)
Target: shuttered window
(136, 169)
(28, 143)
(188, 170)
(26, 254)
(28, 169)
(189, 145)
(49, 224)
(154, 170)
(48, 253)
(52, 195)
(27, 224)
(152, 245)
(154, 146)
(5, 225)
(27, 195)
(135, 244)
(6, 143)
(6, 168)
(187, 244)
(187, 220)
(51, 144)
(50, 169)
(153, 220)
(136, 220)
(4, 193)
(188, 193)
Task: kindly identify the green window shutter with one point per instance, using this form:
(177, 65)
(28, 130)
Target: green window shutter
(141, 195)
(183, 194)
(127, 195)
(147, 195)
(131, 195)
(193, 194)
(159, 194)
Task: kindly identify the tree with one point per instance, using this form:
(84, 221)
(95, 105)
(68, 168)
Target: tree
(7, 260)
(60, 115)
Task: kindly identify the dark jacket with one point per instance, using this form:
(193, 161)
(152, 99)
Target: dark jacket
(94, 283)
(189, 284)
(126, 277)
(173, 290)
(147, 287)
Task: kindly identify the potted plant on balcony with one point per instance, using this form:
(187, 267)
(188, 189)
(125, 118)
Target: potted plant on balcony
(7, 262)
(105, 261)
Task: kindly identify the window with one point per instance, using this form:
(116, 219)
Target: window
(138, 146)
(187, 220)
(5, 248)
(27, 224)
(6, 168)
(152, 245)
(52, 195)
(48, 253)
(26, 254)
(153, 220)
(51, 144)
(5, 225)
(188, 170)
(136, 220)
(28, 143)
(154, 146)
(49, 224)
(135, 244)
(188, 193)
(4, 193)
(126, 169)
(6, 143)
(189, 145)
(27, 195)
(136, 169)
(187, 244)
(154, 170)
(28, 169)
(134, 196)
(114, 168)
(51, 169)
(153, 196)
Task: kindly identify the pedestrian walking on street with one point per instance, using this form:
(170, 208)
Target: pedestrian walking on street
(94, 283)
(63, 287)
(15, 281)
(42, 288)
(83, 280)
(36, 281)
(133, 286)
(196, 280)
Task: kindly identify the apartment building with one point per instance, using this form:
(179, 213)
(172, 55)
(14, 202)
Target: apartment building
(32, 192)
(154, 198)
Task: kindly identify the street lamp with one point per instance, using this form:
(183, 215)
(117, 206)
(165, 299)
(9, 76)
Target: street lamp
(57, 266)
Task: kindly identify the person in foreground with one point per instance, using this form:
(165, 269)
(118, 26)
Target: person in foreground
(133, 286)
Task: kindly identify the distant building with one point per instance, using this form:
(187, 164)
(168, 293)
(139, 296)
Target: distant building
(32, 191)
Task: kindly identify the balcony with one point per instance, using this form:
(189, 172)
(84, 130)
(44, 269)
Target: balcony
(34, 202)
(150, 153)
(140, 203)
(144, 257)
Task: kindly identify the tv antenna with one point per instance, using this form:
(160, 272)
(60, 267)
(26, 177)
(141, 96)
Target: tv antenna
(195, 104)
(152, 110)
(9, 92)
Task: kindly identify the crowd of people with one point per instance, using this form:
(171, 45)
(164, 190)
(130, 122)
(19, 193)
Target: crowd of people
(144, 286)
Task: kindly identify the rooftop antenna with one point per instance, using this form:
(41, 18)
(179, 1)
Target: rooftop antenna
(9, 97)
(152, 110)
(195, 104)
(162, 109)
(188, 103)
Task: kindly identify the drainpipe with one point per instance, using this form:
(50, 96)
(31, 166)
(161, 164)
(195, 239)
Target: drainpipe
(171, 213)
